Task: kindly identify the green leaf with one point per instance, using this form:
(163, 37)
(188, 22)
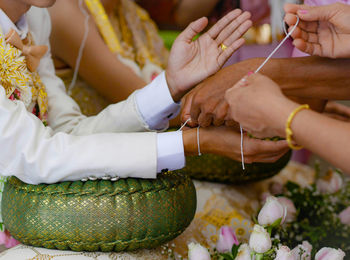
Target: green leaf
(226, 256)
(234, 250)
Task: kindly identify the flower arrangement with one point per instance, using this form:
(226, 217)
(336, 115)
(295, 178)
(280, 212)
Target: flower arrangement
(314, 221)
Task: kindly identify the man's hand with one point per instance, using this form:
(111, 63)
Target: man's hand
(190, 61)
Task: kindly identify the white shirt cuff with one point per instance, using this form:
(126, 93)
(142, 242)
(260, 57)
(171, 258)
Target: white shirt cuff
(155, 103)
(170, 151)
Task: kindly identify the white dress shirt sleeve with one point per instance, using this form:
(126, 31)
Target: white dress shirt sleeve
(157, 107)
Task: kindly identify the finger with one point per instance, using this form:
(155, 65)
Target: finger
(193, 29)
(293, 8)
(255, 146)
(226, 54)
(186, 108)
(315, 13)
(271, 159)
(242, 29)
(310, 48)
(223, 22)
(306, 36)
(235, 28)
(220, 113)
(205, 119)
(195, 112)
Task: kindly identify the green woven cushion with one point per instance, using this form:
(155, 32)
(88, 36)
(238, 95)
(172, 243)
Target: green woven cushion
(99, 215)
(217, 168)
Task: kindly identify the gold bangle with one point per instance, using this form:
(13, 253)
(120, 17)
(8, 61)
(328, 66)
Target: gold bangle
(289, 132)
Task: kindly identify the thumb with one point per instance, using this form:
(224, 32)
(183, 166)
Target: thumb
(315, 13)
(193, 29)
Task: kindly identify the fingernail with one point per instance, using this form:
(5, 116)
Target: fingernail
(303, 11)
(250, 73)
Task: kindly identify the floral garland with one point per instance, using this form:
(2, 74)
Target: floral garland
(313, 220)
(20, 84)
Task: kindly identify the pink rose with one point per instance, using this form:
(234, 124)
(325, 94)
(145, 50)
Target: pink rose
(291, 210)
(227, 239)
(272, 211)
(330, 183)
(260, 240)
(7, 240)
(345, 216)
(327, 253)
(303, 251)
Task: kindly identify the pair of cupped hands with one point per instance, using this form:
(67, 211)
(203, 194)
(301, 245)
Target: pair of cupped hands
(256, 102)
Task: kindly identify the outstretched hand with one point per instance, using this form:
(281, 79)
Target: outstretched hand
(322, 30)
(190, 61)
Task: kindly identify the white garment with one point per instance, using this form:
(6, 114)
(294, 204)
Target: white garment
(74, 146)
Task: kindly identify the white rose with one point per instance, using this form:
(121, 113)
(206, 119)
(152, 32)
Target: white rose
(197, 252)
(327, 253)
(291, 210)
(284, 253)
(330, 183)
(272, 211)
(244, 252)
(303, 251)
(260, 240)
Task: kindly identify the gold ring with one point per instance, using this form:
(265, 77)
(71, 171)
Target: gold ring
(223, 46)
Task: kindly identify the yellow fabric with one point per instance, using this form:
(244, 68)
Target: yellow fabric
(129, 32)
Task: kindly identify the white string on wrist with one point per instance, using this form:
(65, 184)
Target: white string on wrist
(184, 124)
(198, 143)
(261, 66)
(81, 48)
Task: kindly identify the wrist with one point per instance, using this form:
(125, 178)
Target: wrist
(175, 93)
(280, 110)
(189, 138)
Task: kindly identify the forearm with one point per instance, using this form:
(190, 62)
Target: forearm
(326, 137)
(190, 10)
(310, 77)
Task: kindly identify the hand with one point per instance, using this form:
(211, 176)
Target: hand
(337, 111)
(322, 30)
(227, 142)
(258, 104)
(190, 61)
(205, 104)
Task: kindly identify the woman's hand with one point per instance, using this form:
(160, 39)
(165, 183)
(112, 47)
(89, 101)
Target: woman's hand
(190, 61)
(337, 111)
(226, 141)
(322, 30)
(258, 104)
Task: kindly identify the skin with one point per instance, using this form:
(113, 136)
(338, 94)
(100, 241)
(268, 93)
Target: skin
(206, 44)
(96, 57)
(323, 30)
(310, 129)
(323, 79)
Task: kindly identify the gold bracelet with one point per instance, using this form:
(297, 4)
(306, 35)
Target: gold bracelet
(289, 132)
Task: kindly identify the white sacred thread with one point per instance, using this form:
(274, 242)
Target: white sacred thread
(184, 124)
(82, 46)
(261, 66)
(198, 144)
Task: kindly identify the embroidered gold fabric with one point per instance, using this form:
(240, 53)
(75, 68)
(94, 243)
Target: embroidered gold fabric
(217, 205)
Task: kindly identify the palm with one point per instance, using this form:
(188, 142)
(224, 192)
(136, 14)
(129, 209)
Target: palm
(333, 41)
(190, 61)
